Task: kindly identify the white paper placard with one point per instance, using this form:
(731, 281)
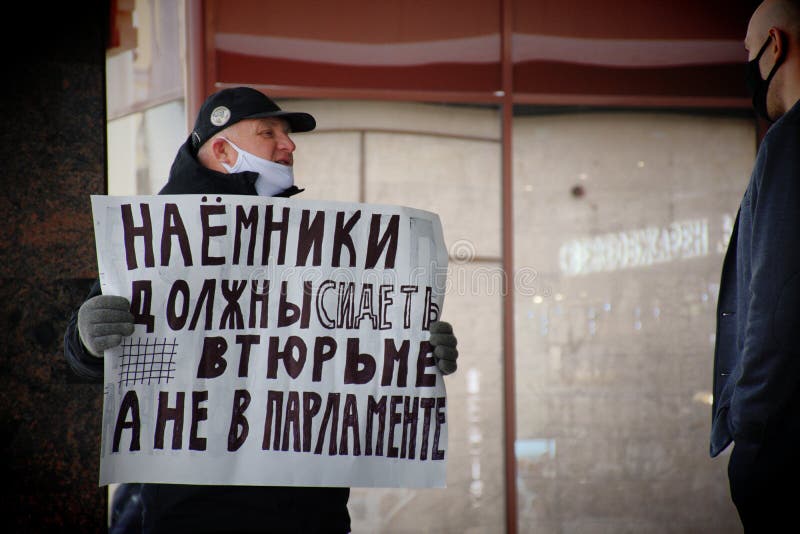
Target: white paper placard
(278, 342)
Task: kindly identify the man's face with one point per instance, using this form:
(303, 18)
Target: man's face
(266, 138)
(761, 33)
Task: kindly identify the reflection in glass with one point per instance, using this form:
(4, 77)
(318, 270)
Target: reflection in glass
(613, 364)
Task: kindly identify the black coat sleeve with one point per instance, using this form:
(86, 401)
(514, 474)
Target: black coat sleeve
(82, 363)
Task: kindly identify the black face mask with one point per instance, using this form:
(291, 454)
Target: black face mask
(757, 86)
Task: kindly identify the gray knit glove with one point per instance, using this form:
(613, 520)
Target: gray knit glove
(444, 346)
(103, 321)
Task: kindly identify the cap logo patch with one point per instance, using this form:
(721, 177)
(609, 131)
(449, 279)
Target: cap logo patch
(220, 116)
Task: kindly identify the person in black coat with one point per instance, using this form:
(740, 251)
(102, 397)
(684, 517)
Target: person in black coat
(240, 145)
(757, 356)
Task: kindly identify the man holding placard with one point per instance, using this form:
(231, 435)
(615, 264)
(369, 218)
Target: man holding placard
(241, 145)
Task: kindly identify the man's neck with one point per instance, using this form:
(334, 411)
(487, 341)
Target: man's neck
(791, 88)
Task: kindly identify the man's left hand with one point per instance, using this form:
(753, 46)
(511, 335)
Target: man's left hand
(444, 347)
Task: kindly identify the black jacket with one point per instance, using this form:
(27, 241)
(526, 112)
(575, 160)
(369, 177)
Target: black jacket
(189, 508)
(757, 357)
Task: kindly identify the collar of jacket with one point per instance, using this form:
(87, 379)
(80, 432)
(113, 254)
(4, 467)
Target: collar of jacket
(188, 177)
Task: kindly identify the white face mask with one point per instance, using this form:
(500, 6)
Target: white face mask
(273, 178)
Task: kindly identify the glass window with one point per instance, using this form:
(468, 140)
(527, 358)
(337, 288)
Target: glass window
(444, 159)
(621, 220)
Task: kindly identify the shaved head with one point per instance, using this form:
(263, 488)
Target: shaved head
(781, 14)
(774, 33)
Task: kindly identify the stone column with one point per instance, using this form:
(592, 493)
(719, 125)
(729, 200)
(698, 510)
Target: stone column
(53, 153)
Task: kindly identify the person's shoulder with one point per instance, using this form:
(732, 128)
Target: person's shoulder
(777, 155)
(786, 129)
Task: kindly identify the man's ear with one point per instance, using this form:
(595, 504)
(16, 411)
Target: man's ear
(222, 151)
(778, 47)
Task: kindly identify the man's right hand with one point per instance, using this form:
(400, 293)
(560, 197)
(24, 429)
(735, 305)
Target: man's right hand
(103, 321)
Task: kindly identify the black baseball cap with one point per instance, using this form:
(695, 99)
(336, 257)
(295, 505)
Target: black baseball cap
(228, 106)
